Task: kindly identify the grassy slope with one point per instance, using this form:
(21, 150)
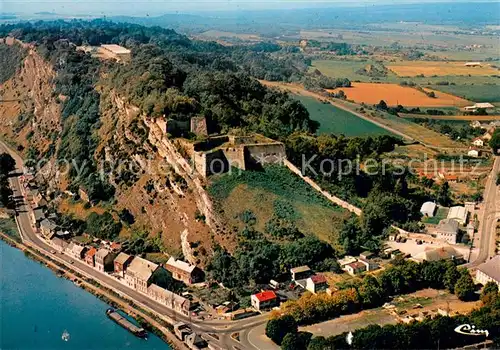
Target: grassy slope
(337, 121)
(258, 191)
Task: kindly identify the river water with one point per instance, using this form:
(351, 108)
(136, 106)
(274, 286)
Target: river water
(37, 307)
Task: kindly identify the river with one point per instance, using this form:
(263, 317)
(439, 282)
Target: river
(36, 307)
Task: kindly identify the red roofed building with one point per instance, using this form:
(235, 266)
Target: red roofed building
(316, 283)
(90, 256)
(356, 268)
(264, 300)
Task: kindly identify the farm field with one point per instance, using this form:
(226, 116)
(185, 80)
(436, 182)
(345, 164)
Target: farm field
(221, 35)
(451, 117)
(412, 130)
(419, 38)
(475, 92)
(426, 68)
(264, 194)
(407, 128)
(393, 95)
(420, 133)
(479, 54)
(334, 120)
(348, 69)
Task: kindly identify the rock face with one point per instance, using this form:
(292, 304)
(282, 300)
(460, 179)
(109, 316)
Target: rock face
(166, 196)
(30, 112)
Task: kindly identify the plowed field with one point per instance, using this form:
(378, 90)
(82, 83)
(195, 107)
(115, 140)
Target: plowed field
(393, 94)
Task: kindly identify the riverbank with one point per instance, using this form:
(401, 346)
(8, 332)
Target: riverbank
(148, 321)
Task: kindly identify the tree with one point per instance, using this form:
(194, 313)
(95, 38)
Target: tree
(350, 235)
(318, 343)
(489, 292)
(7, 163)
(225, 269)
(5, 192)
(370, 291)
(382, 105)
(451, 276)
(464, 288)
(278, 328)
(126, 216)
(495, 141)
(296, 341)
(443, 195)
(103, 226)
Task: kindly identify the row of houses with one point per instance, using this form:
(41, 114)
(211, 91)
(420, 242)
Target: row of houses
(135, 272)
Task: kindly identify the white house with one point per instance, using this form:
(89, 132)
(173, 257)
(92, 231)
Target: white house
(346, 260)
(476, 106)
(138, 274)
(489, 271)
(447, 230)
(169, 299)
(474, 153)
(478, 142)
(264, 300)
(356, 268)
(428, 209)
(316, 283)
(473, 64)
(458, 213)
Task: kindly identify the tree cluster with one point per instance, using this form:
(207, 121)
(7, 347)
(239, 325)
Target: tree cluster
(258, 260)
(381, 191)
(11, 57)
(7, 164)
(433, 333)
(103, 226)
(401, 278)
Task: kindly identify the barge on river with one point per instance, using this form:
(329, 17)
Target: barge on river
(122, 321)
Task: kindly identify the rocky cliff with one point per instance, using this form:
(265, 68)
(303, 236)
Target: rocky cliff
(29, 111)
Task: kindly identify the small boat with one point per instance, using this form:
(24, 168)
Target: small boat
(122, 321)
(65, 335)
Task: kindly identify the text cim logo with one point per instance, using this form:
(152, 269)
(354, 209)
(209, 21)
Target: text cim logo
(467, 329)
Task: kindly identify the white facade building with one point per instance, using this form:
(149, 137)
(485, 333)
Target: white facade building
(428, 209)
(489, 271)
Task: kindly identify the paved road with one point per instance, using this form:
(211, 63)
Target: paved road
(490, 213)
(221, 327)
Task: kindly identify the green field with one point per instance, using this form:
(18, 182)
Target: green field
(441, 213)
(334, 120)
(476, 93)
(348, 69)
(265, 193)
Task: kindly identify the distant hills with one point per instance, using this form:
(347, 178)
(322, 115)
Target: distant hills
(471, 14)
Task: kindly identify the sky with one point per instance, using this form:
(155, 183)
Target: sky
(158, 7)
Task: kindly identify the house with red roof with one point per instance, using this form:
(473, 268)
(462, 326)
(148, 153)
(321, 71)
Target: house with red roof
(357, 267)
(264, 300)
(478, 142)
(316, 283)
(90, 256)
